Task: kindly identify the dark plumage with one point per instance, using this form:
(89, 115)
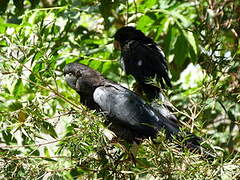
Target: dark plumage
(142, 58)
(128, 116)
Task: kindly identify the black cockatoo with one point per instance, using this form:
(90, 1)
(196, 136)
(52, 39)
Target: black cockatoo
(143, 59)
(131, 118)
(128, 115)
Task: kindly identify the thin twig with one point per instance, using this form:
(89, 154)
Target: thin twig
(36, 145)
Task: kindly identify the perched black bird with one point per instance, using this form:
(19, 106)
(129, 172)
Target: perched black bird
(128, 115)
(142, 58)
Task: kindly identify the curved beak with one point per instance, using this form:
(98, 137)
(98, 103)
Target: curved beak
(71, 80)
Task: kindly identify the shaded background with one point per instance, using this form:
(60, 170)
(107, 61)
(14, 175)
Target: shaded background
(46, 133)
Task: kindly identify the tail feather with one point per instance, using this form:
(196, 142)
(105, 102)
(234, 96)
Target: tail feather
(189, 140)
(194, 143)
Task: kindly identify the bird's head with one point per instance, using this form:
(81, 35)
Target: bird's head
(82, 78)
(125, 34)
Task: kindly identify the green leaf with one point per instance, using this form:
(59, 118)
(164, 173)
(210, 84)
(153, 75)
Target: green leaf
(48, 128)
(38, 67)
(145, 22)
(180, 50)
(170, 39)
(8, 137)
(18, 88)
(46, 152)
(15, 106)
(149, 4)
(2, 43)
(191, 40)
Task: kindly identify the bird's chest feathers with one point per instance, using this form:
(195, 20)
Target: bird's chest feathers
(132, 65)
(130, 60)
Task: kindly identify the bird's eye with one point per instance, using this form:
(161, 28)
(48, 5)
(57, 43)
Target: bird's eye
(69, 74)
(79, 74)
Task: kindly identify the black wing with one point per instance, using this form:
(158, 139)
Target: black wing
(145, 61)
(130, 111)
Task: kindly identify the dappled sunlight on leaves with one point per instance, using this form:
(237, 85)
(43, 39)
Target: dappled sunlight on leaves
(46, 133)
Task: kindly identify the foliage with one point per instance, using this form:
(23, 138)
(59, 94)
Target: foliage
(45, 131)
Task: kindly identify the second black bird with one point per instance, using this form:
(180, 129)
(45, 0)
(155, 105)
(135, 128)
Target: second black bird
(142, 58)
